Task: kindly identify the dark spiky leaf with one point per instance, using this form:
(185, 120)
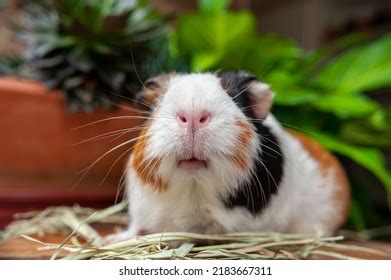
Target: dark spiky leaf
(89, 49)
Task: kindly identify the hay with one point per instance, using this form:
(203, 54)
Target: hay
(84, 242)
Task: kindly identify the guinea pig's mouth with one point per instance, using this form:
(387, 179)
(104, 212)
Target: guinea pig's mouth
(192, 164)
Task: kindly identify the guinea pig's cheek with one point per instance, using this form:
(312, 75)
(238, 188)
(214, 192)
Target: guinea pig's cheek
(241, 156)
(146, 168)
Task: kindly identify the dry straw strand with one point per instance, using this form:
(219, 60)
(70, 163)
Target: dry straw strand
(78, 223)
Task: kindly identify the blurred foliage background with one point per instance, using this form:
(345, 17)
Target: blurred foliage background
(100, 51)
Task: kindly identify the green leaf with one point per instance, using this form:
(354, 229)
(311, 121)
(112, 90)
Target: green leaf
(357, 216)
(373, 131)
(213, 6)
(228, 41)
(311, 61)
(369, 158)
(344, 106)
(294, 96)
(8, 65)
(123, 6)
(46, 43)
(358, 133)
(106, 7)
(363, 68)
(208, 39)
(265, 55)
(205, 61)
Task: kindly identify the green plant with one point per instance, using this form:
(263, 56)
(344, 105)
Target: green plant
(92, 50)
(8, 65)
(325, 93)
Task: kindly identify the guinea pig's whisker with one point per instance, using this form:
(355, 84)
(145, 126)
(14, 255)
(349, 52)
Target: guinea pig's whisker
(121, 134)
(135, 68)
(145, 159)
(284, 124)
(253, 172)
(141, 163)
(137, 128)
(270, 149)
(134, 109)
(268, 172)
(155, 163)
(120, 186)
(246, 88)
(250, 106)
(140, 102)
(253, 120)
(106, 153)
(113, 118)
(276, 152)
(247, 187)
(263, 195)
(126, 108)
(149, 162)
(132, 100)
(255, 81)
(248, 193)
(107, 135)
(88, 168)
(112, 166)
(288, 157)
(300, 129)
(273, 142)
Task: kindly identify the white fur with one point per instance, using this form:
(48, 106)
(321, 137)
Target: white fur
(191, 201)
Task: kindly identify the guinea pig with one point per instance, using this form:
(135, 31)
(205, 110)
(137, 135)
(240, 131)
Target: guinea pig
(212, 159)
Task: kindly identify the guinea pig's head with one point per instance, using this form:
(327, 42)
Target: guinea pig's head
(200, 128)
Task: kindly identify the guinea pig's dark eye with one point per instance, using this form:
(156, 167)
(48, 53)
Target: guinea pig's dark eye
(151, 84)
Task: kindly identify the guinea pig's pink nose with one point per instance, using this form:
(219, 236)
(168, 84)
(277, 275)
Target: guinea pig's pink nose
(193, 120)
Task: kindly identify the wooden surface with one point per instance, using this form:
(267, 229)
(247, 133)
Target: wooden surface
(19, 248)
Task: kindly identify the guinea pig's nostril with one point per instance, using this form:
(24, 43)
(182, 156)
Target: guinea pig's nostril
(182, 118)
(193, 120)
(204, 118)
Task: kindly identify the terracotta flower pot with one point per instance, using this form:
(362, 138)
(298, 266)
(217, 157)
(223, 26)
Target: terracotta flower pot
(38, 163)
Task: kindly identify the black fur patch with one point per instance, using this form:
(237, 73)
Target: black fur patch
(255, 194)
(268, 171)
(235, 84)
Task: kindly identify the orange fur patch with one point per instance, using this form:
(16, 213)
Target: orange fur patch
(146, 169)
(150, 96)
(329, 162)
(241, 156)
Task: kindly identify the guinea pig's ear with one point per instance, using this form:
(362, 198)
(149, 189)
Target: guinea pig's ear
(153, 89)
(249, 93)
(260, 98)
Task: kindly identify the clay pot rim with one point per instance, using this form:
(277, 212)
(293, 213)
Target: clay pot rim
(25, 86)
(19, 85)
